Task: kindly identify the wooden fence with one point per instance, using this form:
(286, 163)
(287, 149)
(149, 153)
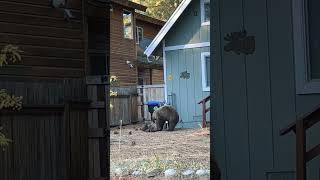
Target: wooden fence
(148, 93)
(124, 107)
(49, 135)
(48, 142)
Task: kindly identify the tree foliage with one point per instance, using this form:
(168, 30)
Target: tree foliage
(9, 53)
(160, 9)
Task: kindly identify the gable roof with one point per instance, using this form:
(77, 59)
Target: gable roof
(165, 29)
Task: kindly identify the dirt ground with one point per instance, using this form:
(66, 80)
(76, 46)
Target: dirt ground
(184, 148)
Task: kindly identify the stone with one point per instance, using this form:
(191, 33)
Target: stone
(188, 172)
(170, 172)
(136, 173)
(203, 172)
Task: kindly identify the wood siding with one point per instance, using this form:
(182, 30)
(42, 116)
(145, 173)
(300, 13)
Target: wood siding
(150, 78)
(122, 50)
(188, 29)
(186, 93)
(49, 139)
(149, 30)
(256, 95)
(157, 76)
(52, 46)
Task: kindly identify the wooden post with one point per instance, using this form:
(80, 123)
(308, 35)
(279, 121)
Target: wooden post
(301, 151)
(67, 138)
(204, 117)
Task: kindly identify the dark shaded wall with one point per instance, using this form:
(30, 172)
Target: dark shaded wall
(255, 94)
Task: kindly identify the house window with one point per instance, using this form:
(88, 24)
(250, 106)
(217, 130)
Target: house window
(139, 34)
(306, 45)
(205, 12)
(127, 25)
(205, 69)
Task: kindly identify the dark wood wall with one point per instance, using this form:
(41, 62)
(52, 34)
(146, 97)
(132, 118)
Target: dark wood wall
(150, 30)
(49, 137)
(122, 49)
(53, 47)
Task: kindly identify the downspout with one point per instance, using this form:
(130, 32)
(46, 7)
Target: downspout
(165, 71)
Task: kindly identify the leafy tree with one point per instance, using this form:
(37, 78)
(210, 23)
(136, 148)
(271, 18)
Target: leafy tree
(9, 54)
(113, 81)
(160, 9)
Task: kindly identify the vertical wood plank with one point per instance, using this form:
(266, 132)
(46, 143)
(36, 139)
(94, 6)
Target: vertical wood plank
(301, 151)
(258, 89)
(235, 96)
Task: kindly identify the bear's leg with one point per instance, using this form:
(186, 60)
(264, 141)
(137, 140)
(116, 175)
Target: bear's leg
(160, 124)
(172, 125)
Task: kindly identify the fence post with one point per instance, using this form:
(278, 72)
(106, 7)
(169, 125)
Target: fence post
(301, 150)
(67, 138)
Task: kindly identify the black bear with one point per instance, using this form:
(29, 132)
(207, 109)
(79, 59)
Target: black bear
(165, 114)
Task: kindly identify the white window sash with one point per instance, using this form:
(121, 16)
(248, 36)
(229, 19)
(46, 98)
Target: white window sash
(132, 28)
(137, 34)
(304, 83)
(204, 71)
(202, 9)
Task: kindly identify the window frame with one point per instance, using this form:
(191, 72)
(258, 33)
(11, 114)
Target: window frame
(304, 83)
(132, 25)
(204, 70)
(202, 9)
(137, 34)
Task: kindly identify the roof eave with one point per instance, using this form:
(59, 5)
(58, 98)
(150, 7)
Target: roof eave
(130, 4)
(165, 29)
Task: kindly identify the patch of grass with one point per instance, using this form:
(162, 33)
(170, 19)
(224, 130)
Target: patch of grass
(155, 162)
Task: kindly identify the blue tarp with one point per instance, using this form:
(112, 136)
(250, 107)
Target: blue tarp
(153, 103)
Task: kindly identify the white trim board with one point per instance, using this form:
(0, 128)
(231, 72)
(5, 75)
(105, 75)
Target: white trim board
(203, 71)
(165, 29)
(187, 46)
(165, 72)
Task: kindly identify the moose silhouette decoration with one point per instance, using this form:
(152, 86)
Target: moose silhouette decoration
(239, 42)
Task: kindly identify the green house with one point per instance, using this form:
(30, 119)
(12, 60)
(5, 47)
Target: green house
(266, 73)
(184, 43)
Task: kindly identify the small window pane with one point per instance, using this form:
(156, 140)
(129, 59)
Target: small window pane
(139, 34)
(127, 25)
(208, 71)
(207, 11)
(314, 37)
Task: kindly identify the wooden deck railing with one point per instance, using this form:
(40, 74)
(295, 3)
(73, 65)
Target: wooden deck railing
(204, 110)
(299, 128)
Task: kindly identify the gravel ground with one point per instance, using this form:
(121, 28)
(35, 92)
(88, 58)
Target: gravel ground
(187, 148)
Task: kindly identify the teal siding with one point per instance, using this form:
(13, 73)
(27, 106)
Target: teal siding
(188, 29)
(188, 92)
(256, 95)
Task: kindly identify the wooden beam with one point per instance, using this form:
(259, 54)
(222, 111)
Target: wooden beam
(301, 151)
(314, 152)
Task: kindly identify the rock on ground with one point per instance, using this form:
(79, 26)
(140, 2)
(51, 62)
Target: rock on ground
(136, 173)
(170, 172)
(188, 172)
(203, 172)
